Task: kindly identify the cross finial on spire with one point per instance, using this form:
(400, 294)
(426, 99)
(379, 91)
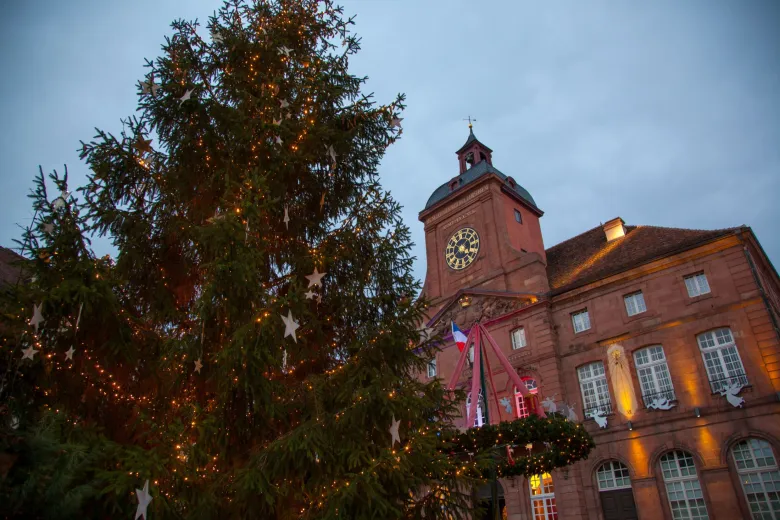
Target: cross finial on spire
(470, 120)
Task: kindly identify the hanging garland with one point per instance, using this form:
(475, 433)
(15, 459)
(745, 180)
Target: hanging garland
(554, 442)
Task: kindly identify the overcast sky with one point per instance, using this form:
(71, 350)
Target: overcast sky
(664, 113)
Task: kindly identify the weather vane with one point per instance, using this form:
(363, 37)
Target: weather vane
(470, 120)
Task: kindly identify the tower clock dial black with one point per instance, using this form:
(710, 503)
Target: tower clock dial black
(462, 249)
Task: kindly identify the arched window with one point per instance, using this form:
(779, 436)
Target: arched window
(479, 419)
(683, 491)
(615, 493)
(613, 475)
(543, 497)
(524, 405)
(724, 367)
(653, 374)
(758, 472)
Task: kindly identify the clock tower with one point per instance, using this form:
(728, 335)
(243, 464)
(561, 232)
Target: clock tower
(482, 231)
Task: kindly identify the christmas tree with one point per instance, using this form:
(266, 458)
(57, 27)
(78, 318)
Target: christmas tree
(250, 350)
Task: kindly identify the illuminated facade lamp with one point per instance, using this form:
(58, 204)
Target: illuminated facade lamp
(465, 301)
(697, 411)
(630, 426)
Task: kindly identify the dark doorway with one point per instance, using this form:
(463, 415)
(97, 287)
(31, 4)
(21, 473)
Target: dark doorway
(483, 496)
(618, 504)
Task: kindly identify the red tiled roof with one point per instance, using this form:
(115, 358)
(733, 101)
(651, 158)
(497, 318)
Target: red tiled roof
(588, 257)
(9, 270)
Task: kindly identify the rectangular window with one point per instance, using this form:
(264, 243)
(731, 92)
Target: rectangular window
(432, 368)
(518, 338)
(518, 217)
(697, 284)
(724, 366)
(635, 303)
(654, 376)
(581, 321)
(595, 391)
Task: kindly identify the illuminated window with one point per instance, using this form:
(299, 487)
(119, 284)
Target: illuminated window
(682, 486)
(523, 404)
(724, 367)
(613, 475)
(479, 419)
(635, 303)
(581, 321)
(543, 497)
(518, 338)
(432, 368)
(653, 374)
(595, 391)
(518, 217)
(697, 284)
(758, 472)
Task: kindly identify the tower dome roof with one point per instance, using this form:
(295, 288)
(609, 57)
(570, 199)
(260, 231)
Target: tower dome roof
(471, 175)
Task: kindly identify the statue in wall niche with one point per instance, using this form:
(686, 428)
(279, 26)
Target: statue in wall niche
(731, 392)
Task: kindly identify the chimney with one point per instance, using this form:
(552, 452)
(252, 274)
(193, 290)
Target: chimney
(614, 229)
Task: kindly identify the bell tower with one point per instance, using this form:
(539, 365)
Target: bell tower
(482, 231)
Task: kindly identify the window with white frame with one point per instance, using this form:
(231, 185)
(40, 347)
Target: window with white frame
(471, 354)
(683, 491)
(522, 403)
(518, 338)
(580, 320)
(697, 284)
(543, 497)
(479, 419)
(721, 358)
(613, 475)
(635, 303)
(760, 477)
(653, 373)
(595, 391)
(432, 368)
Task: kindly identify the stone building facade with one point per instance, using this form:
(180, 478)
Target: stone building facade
(669, 337)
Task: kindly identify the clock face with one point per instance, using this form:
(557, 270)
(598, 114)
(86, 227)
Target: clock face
(462, 249)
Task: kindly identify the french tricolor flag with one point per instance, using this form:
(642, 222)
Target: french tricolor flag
(459, 337)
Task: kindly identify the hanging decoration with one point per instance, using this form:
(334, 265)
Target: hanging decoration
(661, 404)
(730, 392)
(185, 97)
(556, 442)
(394, 431)
(599, 416)
(315, 278)
(620, 373)
(37, 318)
(144, 498)
(290, 326)
(29, 353)
(549, 404)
